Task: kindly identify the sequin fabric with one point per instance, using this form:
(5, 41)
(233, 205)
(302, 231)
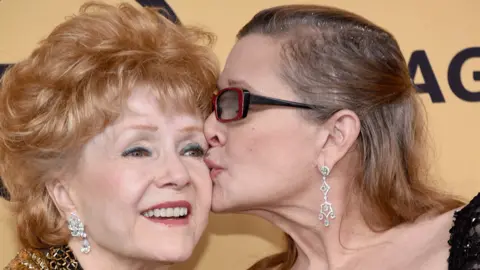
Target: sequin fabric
(465, 238)
(3, 191)
(55, 258)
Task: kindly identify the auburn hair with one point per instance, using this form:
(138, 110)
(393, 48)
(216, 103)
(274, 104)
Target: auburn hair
(74, 84)
(339, 60)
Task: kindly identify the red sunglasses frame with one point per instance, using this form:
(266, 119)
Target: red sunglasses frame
(245, 99)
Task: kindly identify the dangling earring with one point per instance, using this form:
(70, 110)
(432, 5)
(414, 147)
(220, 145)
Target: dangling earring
(326, 210)
(77, 229)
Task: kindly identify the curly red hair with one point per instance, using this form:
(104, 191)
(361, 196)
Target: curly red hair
(73, 85)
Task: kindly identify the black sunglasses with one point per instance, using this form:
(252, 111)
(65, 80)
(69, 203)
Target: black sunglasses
(231, 104)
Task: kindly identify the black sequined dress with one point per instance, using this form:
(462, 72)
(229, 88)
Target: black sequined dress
(465, 238)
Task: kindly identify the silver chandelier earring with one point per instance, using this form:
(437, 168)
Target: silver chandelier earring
(326, 209)
(77, 229)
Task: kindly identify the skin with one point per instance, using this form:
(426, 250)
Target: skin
(145, 158)
(268, 165)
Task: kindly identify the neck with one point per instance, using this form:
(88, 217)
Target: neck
(99, 258)
(321, 247)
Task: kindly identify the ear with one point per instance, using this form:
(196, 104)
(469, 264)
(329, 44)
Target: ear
(343, 129)
(59, 192)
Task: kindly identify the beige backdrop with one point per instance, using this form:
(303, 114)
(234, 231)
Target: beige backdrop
(439, 27)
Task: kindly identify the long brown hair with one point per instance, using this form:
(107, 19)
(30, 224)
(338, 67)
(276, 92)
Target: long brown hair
(339, 60)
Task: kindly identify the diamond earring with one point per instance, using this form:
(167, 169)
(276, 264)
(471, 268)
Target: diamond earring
(77, 229)
(326, 209)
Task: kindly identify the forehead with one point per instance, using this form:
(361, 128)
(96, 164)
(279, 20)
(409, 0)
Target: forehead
(143, 103)
(255, 60)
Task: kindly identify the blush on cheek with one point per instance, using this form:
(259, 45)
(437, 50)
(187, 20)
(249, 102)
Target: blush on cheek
(110, 181)
(99, 187)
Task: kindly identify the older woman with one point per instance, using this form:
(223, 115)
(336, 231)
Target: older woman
(317, 129)
(102, 144)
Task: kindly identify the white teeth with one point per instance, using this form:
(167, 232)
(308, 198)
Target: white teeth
(166, 212)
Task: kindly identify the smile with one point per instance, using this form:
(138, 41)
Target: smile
(169, 213)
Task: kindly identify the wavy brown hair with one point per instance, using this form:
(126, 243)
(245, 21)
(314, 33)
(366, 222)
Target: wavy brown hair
(339, 60)
(73, 85)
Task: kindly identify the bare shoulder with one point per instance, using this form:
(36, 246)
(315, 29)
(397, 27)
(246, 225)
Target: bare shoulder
(27, 259)
(433, 234)
(419, 245)
(450, 240)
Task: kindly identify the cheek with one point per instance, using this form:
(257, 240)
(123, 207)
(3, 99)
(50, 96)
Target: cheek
(200, 178)
(260, 147)
(112, 191)
(202, 187)
(109, 205)
(242, 142)
(270, 153)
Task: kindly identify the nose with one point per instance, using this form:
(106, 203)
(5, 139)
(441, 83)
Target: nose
(214, 131)
(174, 174)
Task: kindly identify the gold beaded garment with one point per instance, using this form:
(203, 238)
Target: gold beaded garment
(54, 258)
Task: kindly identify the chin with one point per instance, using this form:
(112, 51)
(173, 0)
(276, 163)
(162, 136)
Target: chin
(230, 201)
(175, 255)
(219, 209)
(221, 202)
(167, 247)
(180, 256)
(223, 206)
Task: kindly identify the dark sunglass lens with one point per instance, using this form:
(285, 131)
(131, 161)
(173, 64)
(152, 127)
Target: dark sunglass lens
(227, 105)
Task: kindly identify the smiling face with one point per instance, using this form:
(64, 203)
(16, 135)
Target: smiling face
(141, 187)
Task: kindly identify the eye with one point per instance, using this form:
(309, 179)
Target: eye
(193, 150)
(137, 152)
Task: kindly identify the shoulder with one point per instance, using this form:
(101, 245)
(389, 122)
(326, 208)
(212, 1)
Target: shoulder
(465, 237)
(60, 257)
(28, 259)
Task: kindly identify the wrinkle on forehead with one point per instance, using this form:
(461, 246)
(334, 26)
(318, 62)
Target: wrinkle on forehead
(144, 100)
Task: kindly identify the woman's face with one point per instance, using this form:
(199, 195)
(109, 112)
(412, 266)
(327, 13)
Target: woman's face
(269, 156)
(141, 187)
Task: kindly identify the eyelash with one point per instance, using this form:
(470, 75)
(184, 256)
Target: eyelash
(195, 147)
(197, 150)
(130, 152)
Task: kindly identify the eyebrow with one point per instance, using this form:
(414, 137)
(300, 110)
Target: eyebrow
(144, 127)
(155, 128)
(241, 84)
(189, 129)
